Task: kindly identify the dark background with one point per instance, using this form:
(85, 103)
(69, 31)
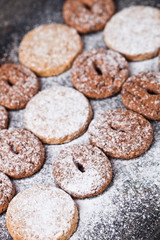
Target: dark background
(19, 16)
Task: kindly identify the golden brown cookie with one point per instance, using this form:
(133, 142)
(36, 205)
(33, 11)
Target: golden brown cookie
(17, 86)
(88, 15)
(50, 49)
(82, 170)
(21, 153)
(99, 73)
(121, 133)
(141, 93)
(7, 191)
(43, 213)
(3, 118)
(134, 32)
(58, 115)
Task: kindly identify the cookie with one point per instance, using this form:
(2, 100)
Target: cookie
(82, 170)
(42, 212)
(21, 153)
(3, 118)
(50, 49)
(121, 133)
(17, 86)
(99, 73)
(88, 15)
(58, 115)
(7, 191)
(141, 93)
(134, 32)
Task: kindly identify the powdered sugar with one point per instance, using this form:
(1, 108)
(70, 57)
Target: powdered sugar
(134, 31)
(42, 212)
(129, 208)
(58, 114)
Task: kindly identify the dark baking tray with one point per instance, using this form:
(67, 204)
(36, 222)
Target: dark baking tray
(19, 16)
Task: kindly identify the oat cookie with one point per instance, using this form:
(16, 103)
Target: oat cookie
(99, 73)
(42, 212)
(134, 32)
(21, 153)
(58, 115)
(3, 118)
(50, 49)
(82, 170)
(121, 133)
(7, 191)
(88, 15)
(141, 93)
(17, 86)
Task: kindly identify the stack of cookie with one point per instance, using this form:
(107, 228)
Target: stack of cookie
(60, 114)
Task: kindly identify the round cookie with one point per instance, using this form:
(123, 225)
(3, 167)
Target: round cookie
(42, 212)
(7, 191)
(141, 93)
(99, 73)
(21, 153)
(17, 86)
(3, 118)
(58, 115)
(134, 32)
(88, 15)
(82, 170)
(121, 133)
(50, 49)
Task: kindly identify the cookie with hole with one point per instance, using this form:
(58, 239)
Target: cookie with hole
(88, 15)
(7, 191)
(17, 85)
(21, 153)
(82, 170)
(121, 133)
(3, 118)
(99, 73)
(141, 93)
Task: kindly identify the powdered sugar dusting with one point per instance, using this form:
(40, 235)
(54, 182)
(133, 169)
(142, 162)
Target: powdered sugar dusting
(134, 31)
(58, 114)
(129, 207)
(42, 212)
(82, 170)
